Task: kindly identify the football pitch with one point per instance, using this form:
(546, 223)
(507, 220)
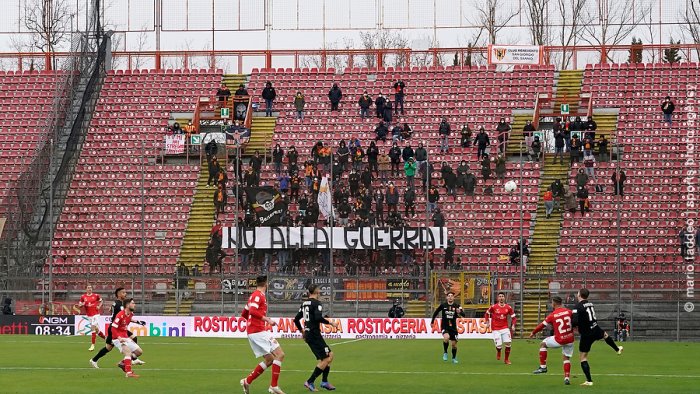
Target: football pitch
(32, 364)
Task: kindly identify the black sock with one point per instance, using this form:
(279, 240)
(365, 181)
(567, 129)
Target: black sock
(100, 354)
(444, 347)
(611, 343)
(586, 370)
(325, 373)
(454, 352)
(317, 371)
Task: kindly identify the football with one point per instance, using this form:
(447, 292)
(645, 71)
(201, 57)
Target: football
(510, 186)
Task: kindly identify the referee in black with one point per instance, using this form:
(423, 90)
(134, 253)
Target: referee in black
(311, 311)
(584, 318)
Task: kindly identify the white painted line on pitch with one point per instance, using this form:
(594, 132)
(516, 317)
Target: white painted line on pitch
(352, 341)
(145, 369)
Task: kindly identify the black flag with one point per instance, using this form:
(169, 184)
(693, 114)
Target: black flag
(267, 203)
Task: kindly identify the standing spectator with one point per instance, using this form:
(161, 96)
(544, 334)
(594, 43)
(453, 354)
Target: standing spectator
(406, 131)
(557, 192)
(295, 185)
(222, 178)
(335, 95)
(241, 91)
(559, 143)
(354, 182)
(379, 105)
(365, 102)
(357, 158)
(381, 132)
(618, 179)
(575, 149)
(211, 149)
(577, 124)
(214, 256)
(682, 235)
(501, 167)
(392, 197)
(342, 154)
(486, 167)
(407, 153)
(536, 147)
(223, 93)
(366, 178)
(214, 169)
(587, 146)
(409, 201)
(256, 164)
(438, 218)
(304, 203)
(421, 156)
(395, 156)
(268, 94)
(220, 198)
(528, 133)
(514, 255)
(410, 170)
(583, 202)
(465, 140)
(589, 165)
(427, 177)
(502, 130)
(277, 156)
(668, 107)
(591, 126)
(387, 112)
(450, 253)
(481, 141)
(548, 202)
(344, 213)
(433, 198)
(384, 167)
(284, 183)
(399, 93)
(569, 201)
(603, 154)
(444, 130)
(299, 104)
(581, 178)
(379, 204)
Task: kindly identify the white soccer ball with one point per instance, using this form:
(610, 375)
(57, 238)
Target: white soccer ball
(510, 186)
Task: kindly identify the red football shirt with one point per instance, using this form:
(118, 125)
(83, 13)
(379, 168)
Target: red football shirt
(560, 319)
(120, 325)
(254, 311)
(499, 316)
(91, 303)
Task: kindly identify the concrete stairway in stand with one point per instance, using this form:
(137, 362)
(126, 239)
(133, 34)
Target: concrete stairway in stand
(516, 135)
(261, 134)
(194, 245)
(569, 91)
(545, 241)
(232, 81)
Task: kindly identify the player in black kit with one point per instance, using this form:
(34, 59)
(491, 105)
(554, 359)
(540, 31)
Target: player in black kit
(584, 318)
(450, 310)
(311, 311)
(117, 307)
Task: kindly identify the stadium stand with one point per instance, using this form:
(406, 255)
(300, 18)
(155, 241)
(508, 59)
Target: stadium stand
(484, 227)
(652, 209)
(99, 228)
(26, 99)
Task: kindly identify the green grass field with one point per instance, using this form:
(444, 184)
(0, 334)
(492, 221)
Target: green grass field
(31, 364)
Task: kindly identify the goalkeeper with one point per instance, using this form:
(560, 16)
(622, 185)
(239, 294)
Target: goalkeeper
(117, 307)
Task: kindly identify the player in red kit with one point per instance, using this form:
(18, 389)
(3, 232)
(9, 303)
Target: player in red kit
(260, 338)
(120, 336)
(92, 303)
(563, 337)
(497, 317)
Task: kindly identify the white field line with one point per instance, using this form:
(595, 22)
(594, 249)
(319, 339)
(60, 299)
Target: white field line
(465, 373)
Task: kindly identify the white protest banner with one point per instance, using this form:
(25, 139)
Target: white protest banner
(174, 144)
(403, 238)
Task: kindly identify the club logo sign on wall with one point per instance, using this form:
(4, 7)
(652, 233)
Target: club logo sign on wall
(267, 203)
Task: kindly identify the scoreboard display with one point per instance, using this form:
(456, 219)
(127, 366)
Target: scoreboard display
(37, 325)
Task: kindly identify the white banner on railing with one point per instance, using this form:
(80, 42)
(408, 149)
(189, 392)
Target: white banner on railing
(174, 144)
(515, 54)
(407, 238)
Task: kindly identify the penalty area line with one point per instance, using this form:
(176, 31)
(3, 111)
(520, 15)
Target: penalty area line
(145, 369)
